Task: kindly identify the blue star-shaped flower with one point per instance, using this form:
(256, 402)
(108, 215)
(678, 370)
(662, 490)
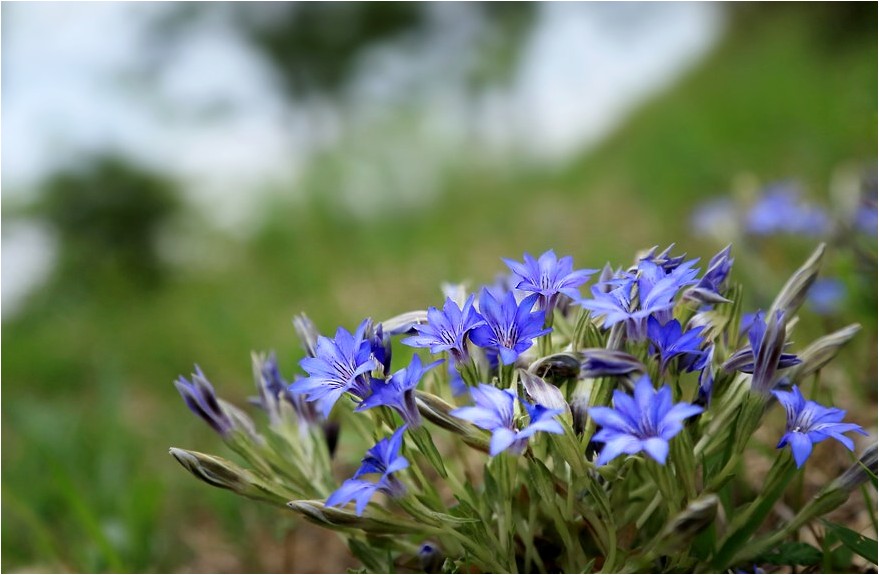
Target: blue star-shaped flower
(809, 422)
(447, 330)
(549, 277)
(670, 341)
(339, 365)
(398, 392)
(384, 460)
(781, 210)
(494, 412)
(655, 290)
(645, 422)
(508, 327)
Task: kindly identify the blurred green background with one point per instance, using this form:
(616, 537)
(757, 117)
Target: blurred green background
(144, 282)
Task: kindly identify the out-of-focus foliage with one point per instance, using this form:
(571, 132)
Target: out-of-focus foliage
(107, 214)
(314, 47)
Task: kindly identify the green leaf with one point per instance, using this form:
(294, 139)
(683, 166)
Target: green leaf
(860, 544)
(792, 553)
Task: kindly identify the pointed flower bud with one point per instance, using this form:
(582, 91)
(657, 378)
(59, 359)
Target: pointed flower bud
(794, 292)
(601, 362)
(859, 473)
(822, 350)
(201, 399)
(431, 558)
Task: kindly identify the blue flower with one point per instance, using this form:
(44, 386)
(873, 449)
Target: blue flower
(398, 392)
(648, 290)
(866, 219)
(201, 399)
(339, 365)
(508, 328)
(384, 457)
(494, 412)
(765, 355)
(645, 422)
(549, 277)
(447, 330)
(780, 209)
(671, 341)
(826, 295)
(809, 422)
(384, 460)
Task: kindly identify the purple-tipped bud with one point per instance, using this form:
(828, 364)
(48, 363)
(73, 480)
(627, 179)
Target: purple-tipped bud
(201, 399)
(600, 362)
(431, 558)
(710, 288)
(307, 333)
(380, 343)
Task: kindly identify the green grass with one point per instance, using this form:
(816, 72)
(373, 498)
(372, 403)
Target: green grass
(89, 408)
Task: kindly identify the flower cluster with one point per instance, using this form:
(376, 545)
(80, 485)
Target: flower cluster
(560, 433)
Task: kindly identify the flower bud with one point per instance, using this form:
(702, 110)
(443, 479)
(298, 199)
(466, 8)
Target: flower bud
(541, 392)
(224, 474)
(794, 292)
(858, 473)
(557, 368)
(307, 333)
(822, 350)
(431, 558)
(600, 362)
(340, 519)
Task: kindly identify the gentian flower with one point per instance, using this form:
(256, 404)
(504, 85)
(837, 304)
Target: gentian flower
(549, 276)
(494, 412)
(645, 422)
(648, 291)
(809, 423)
(781, 209)
(508, 327)
(866, 219)
(765, 355)
(201, 399)
(398, 392)
(447, 330)
(670, 341)
(826, 295)
(384, 460)
(339, 365)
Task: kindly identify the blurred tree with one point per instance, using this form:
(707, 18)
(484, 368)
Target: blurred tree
(107, 216)
(314, 46)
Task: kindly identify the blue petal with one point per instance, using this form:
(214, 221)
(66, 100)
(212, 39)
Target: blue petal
(501, 439)
(656, 448)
